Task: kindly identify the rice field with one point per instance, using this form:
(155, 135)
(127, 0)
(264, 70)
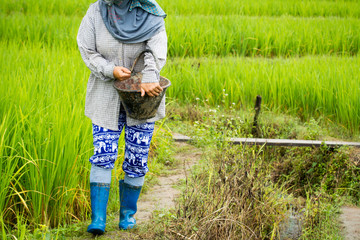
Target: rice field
(305, 8)
(200, 36)
(302, 57)
(311, 86)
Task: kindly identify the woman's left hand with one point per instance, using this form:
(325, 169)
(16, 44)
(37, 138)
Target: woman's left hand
(151, 89)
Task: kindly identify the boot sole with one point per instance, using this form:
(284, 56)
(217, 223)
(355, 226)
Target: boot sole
(96, 231)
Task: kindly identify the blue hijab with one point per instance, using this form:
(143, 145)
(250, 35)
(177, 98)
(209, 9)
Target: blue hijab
(132, 21)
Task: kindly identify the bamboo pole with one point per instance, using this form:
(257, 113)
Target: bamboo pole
(276, 142)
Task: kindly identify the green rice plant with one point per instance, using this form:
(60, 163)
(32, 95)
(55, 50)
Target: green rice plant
(51, 137)
(40, 30)
(45, 139)
(305, 8)
(199, 36)
(308, 87)
(30, 7)
(8, 169)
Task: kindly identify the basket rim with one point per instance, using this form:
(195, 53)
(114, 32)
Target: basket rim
(135, 91)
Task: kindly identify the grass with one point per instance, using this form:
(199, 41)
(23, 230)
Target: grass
(262, 36)
(199, 36)
(60, 7)
(212, 206)
(307, 8)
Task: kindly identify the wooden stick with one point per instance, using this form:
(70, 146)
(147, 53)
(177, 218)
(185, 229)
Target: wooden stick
(255, 128)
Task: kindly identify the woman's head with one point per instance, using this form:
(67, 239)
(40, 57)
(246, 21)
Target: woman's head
(132, 21)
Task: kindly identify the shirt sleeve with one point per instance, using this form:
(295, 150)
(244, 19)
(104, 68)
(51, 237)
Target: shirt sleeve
(98, 65)
(158, 45)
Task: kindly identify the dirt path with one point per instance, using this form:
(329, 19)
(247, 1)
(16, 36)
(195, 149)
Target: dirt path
(162, 195)
(350, 218)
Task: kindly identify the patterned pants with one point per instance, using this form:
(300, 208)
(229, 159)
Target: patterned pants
(137, 144)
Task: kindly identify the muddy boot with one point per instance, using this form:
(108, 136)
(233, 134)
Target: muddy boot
(99, 198)
(128, 199)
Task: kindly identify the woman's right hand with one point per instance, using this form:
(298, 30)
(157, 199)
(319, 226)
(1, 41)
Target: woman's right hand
(121, 73)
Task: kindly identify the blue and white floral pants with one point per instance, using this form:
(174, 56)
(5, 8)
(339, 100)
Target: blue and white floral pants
(137, 144)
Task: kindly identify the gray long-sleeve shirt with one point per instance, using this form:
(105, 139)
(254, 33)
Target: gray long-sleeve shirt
(101, 52)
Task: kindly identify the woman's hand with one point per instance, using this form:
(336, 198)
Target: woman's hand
(121, 73)
(151, 89)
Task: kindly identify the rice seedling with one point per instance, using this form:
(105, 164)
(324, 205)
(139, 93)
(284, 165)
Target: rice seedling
(306, 8)
(66, 7)
(198, 36)
(261, 36)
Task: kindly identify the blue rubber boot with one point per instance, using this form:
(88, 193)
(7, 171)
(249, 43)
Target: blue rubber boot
(128, 198)
(99, 193)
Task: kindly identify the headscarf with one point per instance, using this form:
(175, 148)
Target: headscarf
(132, 21)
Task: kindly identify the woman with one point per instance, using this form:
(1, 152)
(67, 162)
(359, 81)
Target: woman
(110, 37)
